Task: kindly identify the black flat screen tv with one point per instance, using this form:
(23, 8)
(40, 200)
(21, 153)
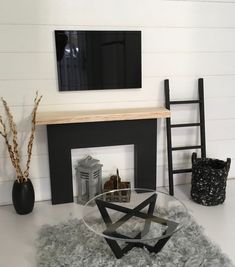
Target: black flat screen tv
(97, 60)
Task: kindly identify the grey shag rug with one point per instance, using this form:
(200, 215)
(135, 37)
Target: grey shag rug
(71, 244)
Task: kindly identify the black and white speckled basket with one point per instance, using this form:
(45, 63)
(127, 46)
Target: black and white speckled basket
(209, 178)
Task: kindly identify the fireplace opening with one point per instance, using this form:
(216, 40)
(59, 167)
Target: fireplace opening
(111, 157)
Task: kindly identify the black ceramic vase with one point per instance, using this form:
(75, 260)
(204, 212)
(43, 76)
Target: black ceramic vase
(23, 196)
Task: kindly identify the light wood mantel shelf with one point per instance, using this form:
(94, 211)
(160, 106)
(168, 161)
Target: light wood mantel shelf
(62, 117)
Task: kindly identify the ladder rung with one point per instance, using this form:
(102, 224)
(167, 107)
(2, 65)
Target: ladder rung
(184, 102)
(185, 147)
(185, 125)
(181, 171)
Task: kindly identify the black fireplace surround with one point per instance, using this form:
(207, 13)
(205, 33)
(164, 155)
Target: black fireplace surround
(64, 137)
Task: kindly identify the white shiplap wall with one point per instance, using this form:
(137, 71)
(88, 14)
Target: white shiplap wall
(181, 41)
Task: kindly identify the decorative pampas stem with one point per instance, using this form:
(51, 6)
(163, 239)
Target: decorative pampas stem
(12, 143)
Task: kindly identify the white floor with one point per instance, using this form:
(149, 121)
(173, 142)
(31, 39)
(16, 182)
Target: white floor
(18, 232)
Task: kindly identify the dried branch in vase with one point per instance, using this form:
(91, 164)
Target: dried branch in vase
(12, 142)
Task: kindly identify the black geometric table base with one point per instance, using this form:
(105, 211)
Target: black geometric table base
(148, 217)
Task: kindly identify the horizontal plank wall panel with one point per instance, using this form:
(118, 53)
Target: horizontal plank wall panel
(27, 66)
(219, 86)
(181, 41)
(30, 66)
(178, 64)
(77, 100)
(228, 110)
(224, 151)
(26, 38)
(40, 38)
(183, 178)
(39, 146)
(105, 12)
(225, 129)
(221, 149)
(184, 39)
(184, 87)
(49, 89)
(182, 114)
(39, 167)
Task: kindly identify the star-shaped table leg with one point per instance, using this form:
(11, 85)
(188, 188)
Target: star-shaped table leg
(112, 234)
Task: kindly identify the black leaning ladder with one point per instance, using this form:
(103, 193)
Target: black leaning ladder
(169, 127)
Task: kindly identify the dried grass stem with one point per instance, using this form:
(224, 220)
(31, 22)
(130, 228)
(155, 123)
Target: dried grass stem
(12, 141)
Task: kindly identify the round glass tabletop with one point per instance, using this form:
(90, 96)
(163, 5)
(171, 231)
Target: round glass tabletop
(134, 215)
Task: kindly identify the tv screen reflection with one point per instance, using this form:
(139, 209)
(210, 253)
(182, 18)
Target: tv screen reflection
(93, 60)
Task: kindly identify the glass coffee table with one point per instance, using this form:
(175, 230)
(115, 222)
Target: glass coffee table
(128, 218)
